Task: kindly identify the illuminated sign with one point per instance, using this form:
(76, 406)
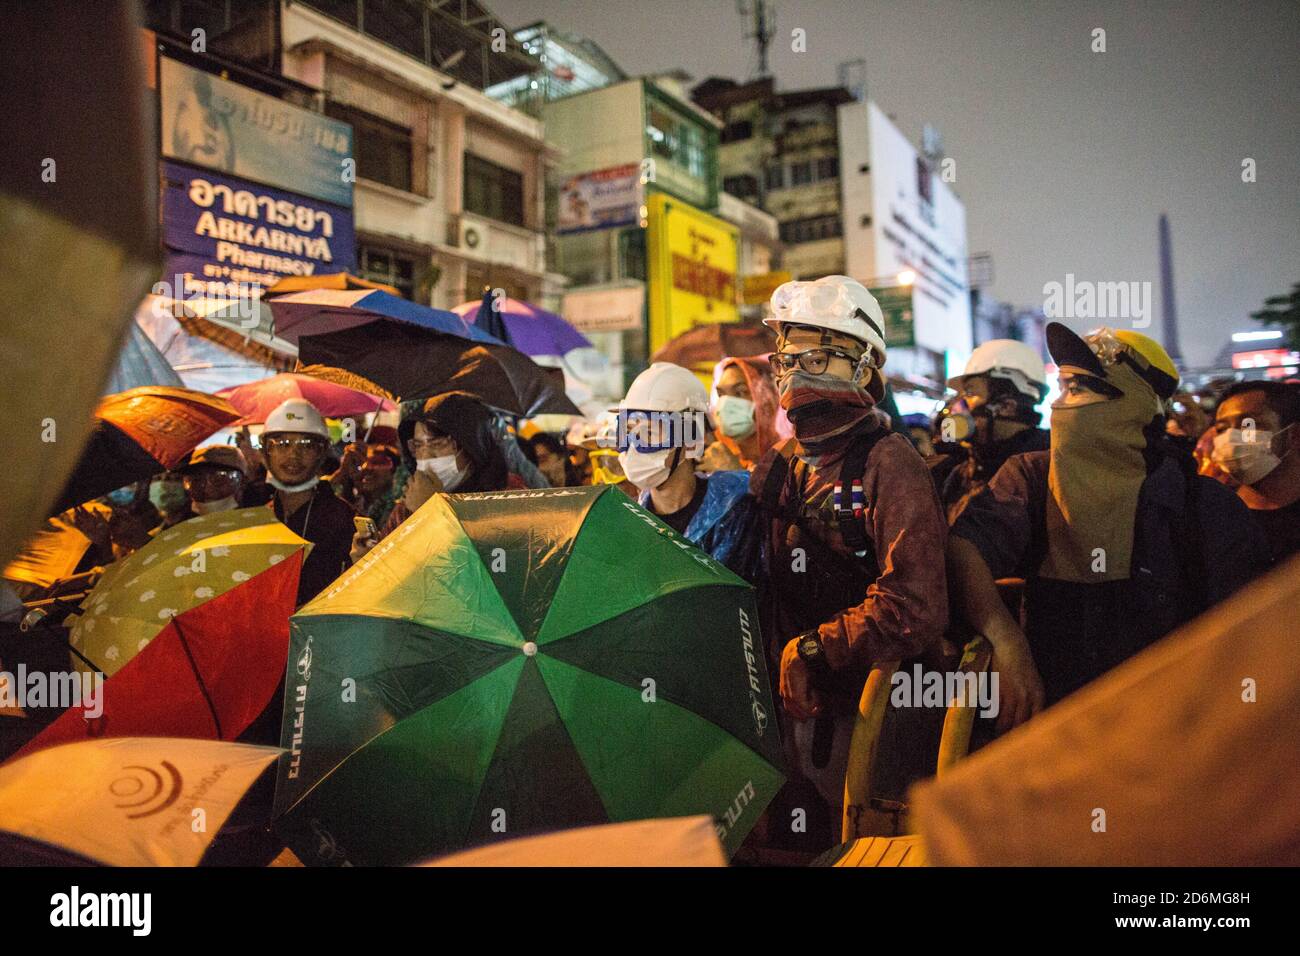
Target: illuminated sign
(1265, 358)
(692, 263)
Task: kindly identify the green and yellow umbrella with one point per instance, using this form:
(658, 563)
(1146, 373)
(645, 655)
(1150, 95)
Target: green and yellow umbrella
(180, 569)
(513, 662)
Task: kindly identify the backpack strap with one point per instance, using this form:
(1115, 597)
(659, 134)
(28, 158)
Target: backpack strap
(777, 474)
(849, 499)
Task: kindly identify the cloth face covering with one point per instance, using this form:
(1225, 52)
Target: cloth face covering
(1097, 469)
(823, 409)
(1248, 460)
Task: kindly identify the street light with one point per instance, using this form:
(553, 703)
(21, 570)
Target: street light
(906, 277)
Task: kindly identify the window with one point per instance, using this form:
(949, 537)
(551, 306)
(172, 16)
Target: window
(811, 229)
(924, 182)
(676, 140)
(493, 191)
(734, 132)
(800, 173)
(384, 265)
(631, 254)
(828, 168)
(382, 149)
(775, 176)
(743, 186)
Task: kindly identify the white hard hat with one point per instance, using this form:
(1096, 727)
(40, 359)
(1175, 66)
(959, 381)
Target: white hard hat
(836, 303)
(665, 387)
(296, 415)
(1006, 358)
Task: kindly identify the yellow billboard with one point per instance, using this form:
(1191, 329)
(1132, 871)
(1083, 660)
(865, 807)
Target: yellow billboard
(692, 263)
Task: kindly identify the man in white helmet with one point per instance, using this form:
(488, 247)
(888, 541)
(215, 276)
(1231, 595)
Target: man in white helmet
(1000, 386)
(295, 443)
(663, 430)
(855, 566)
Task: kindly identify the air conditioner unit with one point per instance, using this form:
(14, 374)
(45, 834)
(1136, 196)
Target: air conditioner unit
(473, 236)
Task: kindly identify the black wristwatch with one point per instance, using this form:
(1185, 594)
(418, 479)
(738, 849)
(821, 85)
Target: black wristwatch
(811, 652)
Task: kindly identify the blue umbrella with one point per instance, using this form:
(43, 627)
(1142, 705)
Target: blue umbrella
(140, 363)
(321, 311)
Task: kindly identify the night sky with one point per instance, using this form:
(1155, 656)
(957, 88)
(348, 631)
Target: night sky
(1065, 157)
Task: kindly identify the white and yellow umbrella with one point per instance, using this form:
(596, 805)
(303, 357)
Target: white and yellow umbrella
(126, 801)
(181, 568)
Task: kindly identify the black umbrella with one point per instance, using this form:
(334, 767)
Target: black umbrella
(413, 363)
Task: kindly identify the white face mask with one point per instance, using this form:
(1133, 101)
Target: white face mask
(735, 416)
(444, 468)
(1246, 461)
(210, 507)
(646, 469)
(276, 483)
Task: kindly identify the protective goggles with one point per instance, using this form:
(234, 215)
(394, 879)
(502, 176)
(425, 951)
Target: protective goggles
(605, 467)
(643, 430)
(293, 443)
(1111, 351)
(201, 477)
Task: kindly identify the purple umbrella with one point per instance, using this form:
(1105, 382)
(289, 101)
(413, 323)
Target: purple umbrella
(533, 331)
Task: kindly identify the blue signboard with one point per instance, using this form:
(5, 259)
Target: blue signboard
(223, 235)
(212, 122)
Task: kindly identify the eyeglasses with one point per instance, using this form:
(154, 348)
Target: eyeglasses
(286, 443)
(812, 361)
(438, 439)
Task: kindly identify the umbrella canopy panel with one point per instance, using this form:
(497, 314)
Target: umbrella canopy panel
(257, 400)
(126, 801)
(531, 330)
(418, 363)
(524, 661)
(330, 310)
(139, 433)
(180, 569)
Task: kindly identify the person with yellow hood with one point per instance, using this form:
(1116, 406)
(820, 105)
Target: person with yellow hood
(1118, 539)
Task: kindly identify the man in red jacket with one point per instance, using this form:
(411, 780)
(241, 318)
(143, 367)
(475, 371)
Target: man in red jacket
(855, 563)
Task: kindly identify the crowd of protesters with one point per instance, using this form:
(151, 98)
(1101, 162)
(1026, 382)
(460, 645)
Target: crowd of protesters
(868, 538)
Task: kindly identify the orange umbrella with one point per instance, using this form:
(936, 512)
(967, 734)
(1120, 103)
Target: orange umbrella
(330, 280)
(705, 344)
(139, 433)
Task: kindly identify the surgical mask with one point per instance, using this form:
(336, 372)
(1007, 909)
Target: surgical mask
(122, 496)
(167, 495)
(646, 469)
(444, 468)
(276, 483)
(1246, 461)
(221, 504)
(735, 416)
